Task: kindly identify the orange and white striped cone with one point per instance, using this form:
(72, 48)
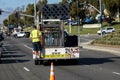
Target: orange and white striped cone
(52, 76)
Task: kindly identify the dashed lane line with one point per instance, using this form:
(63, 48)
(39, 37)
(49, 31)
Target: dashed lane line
(28, 47)
(26, 69)
(116, 73)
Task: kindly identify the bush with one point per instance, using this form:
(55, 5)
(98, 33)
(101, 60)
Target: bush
(109, 39)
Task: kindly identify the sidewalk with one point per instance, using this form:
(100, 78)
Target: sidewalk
(115, 51)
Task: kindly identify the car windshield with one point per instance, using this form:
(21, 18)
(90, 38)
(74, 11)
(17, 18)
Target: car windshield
(107, 28)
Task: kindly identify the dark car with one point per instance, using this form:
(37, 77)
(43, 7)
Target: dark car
(27, 34)
(1, 37)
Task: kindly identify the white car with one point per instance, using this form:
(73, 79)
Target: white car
(73, 22)
(20, 34)
(106, 30)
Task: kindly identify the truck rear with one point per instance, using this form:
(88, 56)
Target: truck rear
(58, 44)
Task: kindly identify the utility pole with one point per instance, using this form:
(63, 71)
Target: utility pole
(35, 16)
(70, 20)
(78, 20)
(100, 17)
(118, 15)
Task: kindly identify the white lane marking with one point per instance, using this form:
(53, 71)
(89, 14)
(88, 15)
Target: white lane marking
(26, 69)
(11, 55)
(28, 47)
(116, 73)
(17, 60)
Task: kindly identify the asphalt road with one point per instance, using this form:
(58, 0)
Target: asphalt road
(89, 37)
(17, 64)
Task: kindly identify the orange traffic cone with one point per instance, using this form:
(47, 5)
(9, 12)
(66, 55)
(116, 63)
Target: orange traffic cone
(52, 76)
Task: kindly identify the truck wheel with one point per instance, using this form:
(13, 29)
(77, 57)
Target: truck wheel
(74, 61)
(45, 63)
(0, 60)
(36, 62)
(1, 55)
(40, 62)
(103, 32)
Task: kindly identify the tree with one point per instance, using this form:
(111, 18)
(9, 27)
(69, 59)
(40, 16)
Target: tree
(96, 4)
(64, 1)
(29, 11)
(112, 6)
(41, 3)
(12, 20)
(76, 9)
(44, 1)
(5, 22)
(73, 9)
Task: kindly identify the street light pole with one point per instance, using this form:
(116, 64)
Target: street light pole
(100, 17)
(34, 12)
(70, 18)
(118, 15)
(78, 20)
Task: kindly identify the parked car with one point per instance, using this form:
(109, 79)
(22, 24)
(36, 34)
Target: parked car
(1, 36)
(1, 39)
(72, 22)
(106, 30)
(16, 31)
(20, 34)
(0, 53)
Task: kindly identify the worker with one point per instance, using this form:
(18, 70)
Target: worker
(35, 36)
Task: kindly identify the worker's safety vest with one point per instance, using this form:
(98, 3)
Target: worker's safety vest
(35, 35)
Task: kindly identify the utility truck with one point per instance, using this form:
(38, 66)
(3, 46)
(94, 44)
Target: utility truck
(58, 44)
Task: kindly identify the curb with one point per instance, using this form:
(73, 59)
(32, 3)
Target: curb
(115, 51)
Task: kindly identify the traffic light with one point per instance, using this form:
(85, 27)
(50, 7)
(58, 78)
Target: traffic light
(0, 11)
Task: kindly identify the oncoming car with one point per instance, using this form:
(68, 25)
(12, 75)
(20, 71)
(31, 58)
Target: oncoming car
(106, 30)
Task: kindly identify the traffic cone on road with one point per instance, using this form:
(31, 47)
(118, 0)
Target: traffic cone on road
(52, 76)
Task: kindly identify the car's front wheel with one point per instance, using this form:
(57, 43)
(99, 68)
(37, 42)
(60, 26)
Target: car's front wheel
(104, 32)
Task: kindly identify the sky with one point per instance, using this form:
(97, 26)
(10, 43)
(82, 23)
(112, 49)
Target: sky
(11, 5)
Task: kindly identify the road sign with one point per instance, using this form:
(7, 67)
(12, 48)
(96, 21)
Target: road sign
(55, 11)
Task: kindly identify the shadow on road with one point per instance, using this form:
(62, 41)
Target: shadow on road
(84, 61)
(12, 55)
(92, 61)
(9, 61)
